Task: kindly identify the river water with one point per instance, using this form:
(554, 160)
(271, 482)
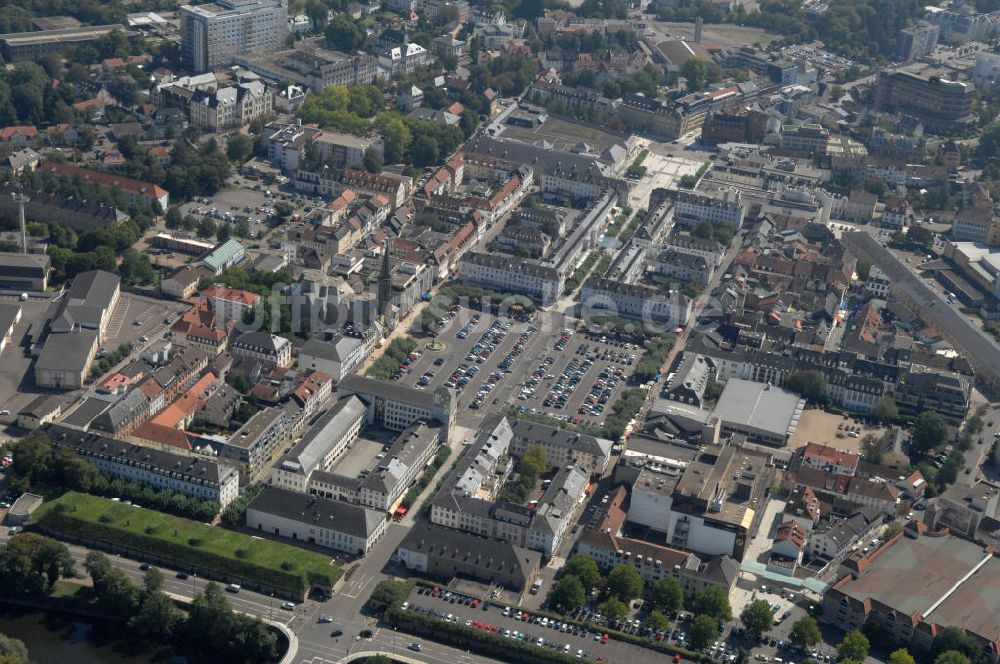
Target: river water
(59, 638)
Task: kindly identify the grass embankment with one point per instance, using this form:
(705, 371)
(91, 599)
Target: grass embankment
(188, 543)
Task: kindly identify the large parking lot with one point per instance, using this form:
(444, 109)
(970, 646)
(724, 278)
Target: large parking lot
(588, 643)
(580, 376)
(481, 359)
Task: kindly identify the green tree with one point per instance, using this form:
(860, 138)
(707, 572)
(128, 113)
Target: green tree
(33, 457)
(568, 593)
(657, 621)
(712, 601)
(157, 619)
(704, 630)
(152, 581)
(805, 632)
(901, 656)
(952, 657)
(809, 384)
(756, 617)
(695, 72)
(886, 409)
(929, 431)
(13, 651)
(953, 638)
(173, 218)
(583, 567)
(240, 147)
(344, 33)
(667, 594)
(613, 609)
(625, 583)
(853, 646)
(373, 161)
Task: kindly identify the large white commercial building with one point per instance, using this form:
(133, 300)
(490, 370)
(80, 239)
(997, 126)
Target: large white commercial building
(725, 207)
(212, 35)
(321, 445)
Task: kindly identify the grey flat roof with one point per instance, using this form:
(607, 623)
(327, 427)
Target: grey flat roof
(760, 406)
(317, 441)
(335, 515)
(363, 385)
(88, 411)
(67, 351)
(8, 314)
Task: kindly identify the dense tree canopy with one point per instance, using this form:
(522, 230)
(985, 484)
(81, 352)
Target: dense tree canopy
(756, 617)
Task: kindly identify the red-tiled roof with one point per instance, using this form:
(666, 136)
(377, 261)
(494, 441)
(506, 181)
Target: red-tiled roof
(128, 185)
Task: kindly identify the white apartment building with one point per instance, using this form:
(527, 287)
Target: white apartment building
(229, 303)
(321, 445)
(212, 35)
(509, 275)
(328, 523)
(606, 297)
(346, 149)
(726, 206)
(396, 407)
(192, 476)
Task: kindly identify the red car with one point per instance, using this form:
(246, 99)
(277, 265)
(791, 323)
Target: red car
(604, 638)
(677, 657)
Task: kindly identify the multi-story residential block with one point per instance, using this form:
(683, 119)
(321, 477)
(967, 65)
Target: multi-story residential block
(944, 392)
(725, 206)
(192, 476)
(509, 275)
(331, 524)
(526, 242)
(229, 304)
(213, 35)
(670, 264)
(321, 445)
(346, 149)
(444, 553)
(609, 549)
(962, 509)
(255, 443)
(338, 357)
(834, 538)
(712, 251)
(263, 347)
(810, 139)
(396, 407)
(927, 93)
(916, 41)
(601, 297)
(561, 447)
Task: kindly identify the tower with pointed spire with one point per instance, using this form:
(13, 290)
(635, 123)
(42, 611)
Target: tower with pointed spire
(385, 283)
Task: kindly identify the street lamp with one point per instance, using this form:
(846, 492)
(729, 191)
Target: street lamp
(193, 577)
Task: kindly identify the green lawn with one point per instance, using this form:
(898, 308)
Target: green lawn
(188, 543)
